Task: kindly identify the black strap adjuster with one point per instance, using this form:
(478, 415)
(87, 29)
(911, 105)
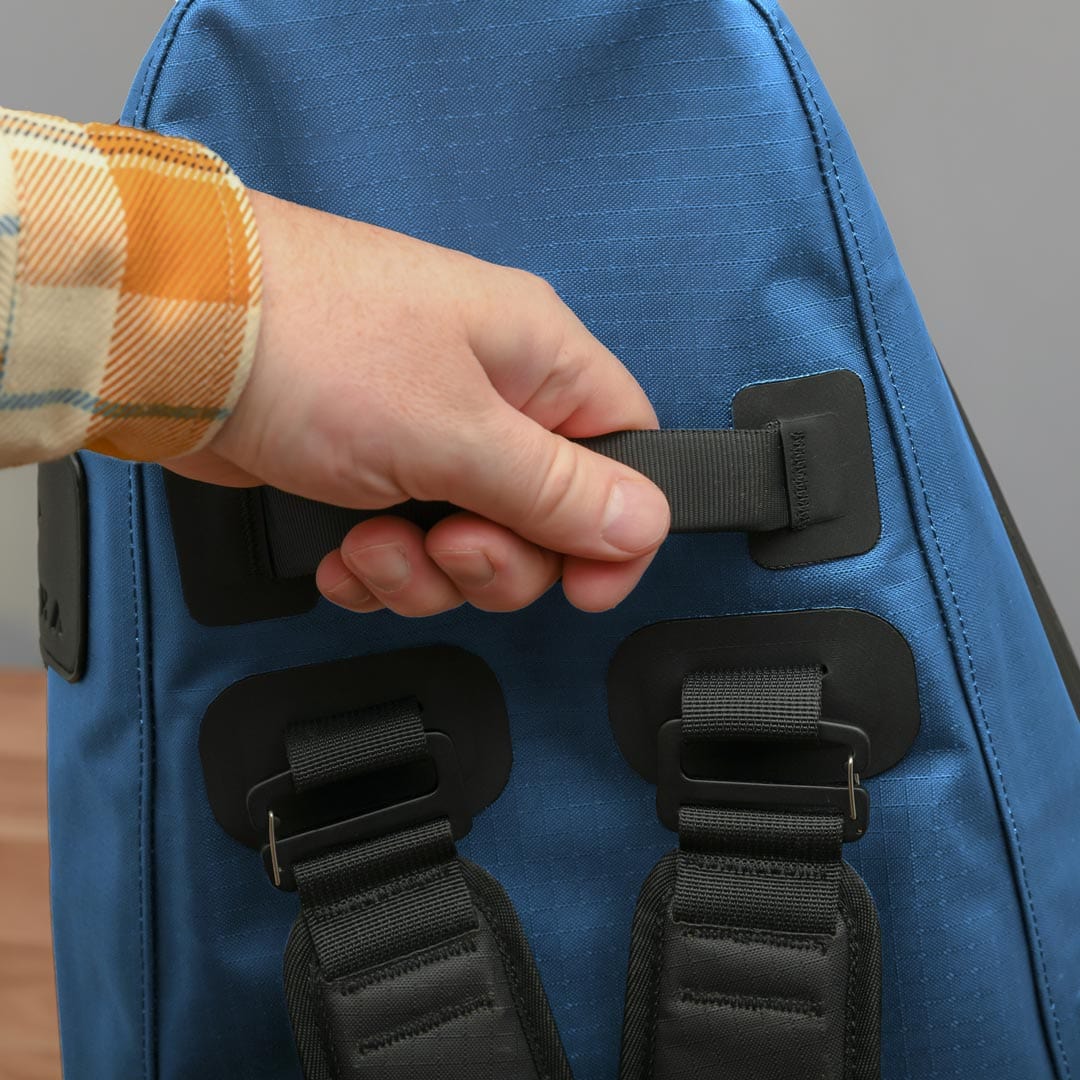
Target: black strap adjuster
(677, 787)
(297, 825)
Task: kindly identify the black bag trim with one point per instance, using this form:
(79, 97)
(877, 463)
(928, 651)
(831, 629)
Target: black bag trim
(831, 480)
(62, 556)
(224, 566)
(356, 777)
(1064, 653)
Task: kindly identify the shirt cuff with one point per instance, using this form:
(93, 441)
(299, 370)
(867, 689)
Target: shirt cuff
(129, 263)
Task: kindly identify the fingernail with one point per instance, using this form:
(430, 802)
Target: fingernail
(635, 517)
(384, 567)
(471, 569)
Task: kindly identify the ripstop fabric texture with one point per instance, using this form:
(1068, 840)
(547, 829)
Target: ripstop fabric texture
(676, 170)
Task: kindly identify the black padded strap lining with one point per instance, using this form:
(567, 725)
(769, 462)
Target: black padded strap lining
(406, 963)
(715, 481)
(755, 950)
(746, 1004)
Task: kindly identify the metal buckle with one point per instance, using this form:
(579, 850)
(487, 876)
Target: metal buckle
(266, 800)
(675, 787)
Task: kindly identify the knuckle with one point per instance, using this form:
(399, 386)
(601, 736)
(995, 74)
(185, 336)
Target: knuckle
(560, 478)
(540, 289)
(567, 370)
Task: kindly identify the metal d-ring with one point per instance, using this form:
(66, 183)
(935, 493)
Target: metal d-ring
(852, 780)
(271, 832)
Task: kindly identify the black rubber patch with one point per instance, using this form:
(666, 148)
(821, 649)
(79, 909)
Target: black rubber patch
(242, 739)
(869, 678)
(225, 571)
(62, 566)
(830, 467)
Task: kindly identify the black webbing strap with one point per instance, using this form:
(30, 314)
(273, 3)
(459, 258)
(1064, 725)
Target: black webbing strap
(322, 751)
(758, 869)
(405, 962)
(758, 703)
(715, 481)
(755, 950)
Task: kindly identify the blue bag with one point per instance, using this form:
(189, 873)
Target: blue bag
(852, 649)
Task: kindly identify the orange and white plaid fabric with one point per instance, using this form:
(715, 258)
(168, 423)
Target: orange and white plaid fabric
(129, 290)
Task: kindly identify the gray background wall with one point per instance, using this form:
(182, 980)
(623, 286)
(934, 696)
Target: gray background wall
(964, 113)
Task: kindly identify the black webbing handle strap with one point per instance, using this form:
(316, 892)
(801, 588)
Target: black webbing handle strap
(737, 480)
(715, 481)
(755, 948)
(405, 962)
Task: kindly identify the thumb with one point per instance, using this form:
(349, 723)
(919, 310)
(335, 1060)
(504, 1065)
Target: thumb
(554, 492)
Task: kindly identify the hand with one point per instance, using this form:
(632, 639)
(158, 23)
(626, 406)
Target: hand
(387, 369)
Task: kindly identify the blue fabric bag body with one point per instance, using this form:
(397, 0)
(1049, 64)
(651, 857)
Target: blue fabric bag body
(676, 170)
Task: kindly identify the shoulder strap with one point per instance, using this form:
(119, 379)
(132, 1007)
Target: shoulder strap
(755, 948)
(405, 962)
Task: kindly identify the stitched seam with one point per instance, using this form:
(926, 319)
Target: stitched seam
(319, 988)
(753, 868)
(944, 565)
(777, 940)
(151, 831)
(142, 762)
(751, 1002)
(405, 967)
(374, 897)
(778, 29)
(157, 63)
(662, 910)
(532, 1036)
(426, 1024)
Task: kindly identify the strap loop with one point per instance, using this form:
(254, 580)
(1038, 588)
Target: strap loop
(762, 703)
(336, 747)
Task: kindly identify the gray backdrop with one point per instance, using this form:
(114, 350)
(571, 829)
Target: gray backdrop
(965, 116)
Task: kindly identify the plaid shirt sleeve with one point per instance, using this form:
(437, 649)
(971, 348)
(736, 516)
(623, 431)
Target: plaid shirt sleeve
(129, 290)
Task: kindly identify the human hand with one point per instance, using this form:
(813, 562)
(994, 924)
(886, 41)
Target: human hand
(388, 369)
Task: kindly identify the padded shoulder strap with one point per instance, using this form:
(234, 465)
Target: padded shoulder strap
(405, 962)
(755, 949)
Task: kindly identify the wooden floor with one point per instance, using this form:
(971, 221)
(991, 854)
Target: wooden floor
(28, 1041)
